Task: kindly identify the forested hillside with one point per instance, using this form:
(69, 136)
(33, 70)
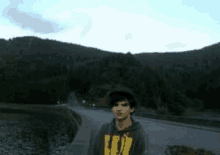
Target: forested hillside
(31, 67)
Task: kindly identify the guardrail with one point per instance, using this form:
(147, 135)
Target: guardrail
(185, 121)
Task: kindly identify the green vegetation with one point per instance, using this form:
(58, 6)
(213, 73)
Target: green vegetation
(52, 69)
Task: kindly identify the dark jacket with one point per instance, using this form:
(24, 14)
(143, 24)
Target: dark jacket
(131, 141)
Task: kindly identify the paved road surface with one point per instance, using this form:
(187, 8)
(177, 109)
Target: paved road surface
(160, 134)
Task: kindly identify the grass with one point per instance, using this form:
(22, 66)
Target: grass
(191, 112)
(215, 110)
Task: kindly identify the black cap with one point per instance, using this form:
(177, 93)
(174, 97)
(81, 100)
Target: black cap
(125, 92)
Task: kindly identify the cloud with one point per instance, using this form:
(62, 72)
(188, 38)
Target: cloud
(15, 3)
(86, 29)
(175, 45)
(31, 21)
(79, 19)
(128, 36)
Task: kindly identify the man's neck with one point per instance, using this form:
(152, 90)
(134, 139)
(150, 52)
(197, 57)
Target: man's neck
(123, 125)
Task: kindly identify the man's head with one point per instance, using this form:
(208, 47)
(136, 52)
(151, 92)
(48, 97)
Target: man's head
(122, 102)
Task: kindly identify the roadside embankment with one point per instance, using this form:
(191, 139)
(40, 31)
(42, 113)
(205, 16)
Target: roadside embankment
(34, 109)
(58, 124)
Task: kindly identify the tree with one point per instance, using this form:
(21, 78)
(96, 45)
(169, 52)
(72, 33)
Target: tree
(177, 102)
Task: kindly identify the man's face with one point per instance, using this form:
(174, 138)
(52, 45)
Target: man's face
(122, 110)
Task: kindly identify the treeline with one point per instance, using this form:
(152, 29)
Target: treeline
(32, 72)
(42, 86)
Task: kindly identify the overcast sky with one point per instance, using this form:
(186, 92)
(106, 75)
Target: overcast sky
(116, 25)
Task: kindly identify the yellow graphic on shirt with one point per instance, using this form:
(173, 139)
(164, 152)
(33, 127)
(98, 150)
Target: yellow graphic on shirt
(125, 145)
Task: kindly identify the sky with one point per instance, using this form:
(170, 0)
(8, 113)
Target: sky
(137, 26)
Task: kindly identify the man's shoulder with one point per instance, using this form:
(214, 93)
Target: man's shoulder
(104, 127)
(141, 132)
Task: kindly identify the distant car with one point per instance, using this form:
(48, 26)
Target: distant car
(83, 101)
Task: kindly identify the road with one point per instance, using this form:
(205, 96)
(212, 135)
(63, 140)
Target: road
(160, 133)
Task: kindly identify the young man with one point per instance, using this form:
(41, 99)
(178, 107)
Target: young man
(123, 135)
